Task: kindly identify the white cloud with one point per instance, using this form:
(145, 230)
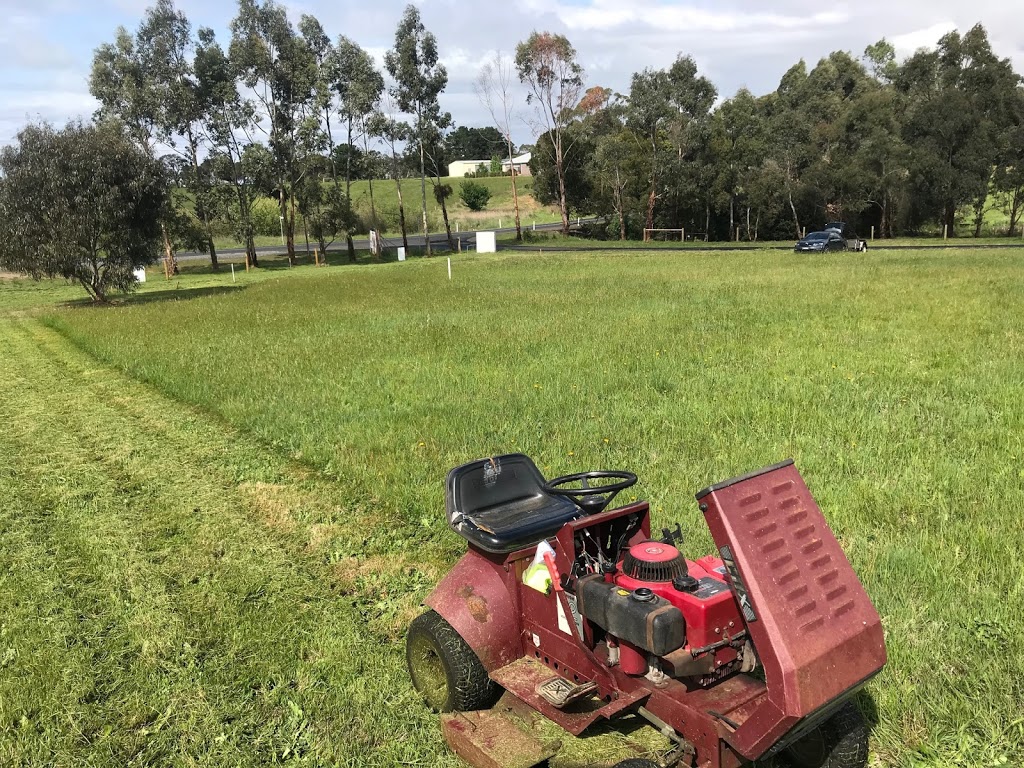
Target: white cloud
(911, 42)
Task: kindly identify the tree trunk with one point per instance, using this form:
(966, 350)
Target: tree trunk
(348, 192)
(707, 221)
(748, 223)
(401, 215)
(560, 170)
(201, 209)
(732, 218)
(949, 219)
(447, 225)
(286, 225)
(654, 189)
(796, 219)
(619, 208)
(979, 214)
(515, 193)
(1015, 206)
(170, 263)
(423, 192)
(290, 229)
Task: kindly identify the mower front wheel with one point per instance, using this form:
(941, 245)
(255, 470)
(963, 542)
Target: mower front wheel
(839, 742)
(444, 669)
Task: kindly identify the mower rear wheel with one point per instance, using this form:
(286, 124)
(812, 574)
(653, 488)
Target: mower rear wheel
(444, 669)
(839, 742)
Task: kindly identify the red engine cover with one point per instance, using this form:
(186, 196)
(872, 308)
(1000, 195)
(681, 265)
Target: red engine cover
(710, 611)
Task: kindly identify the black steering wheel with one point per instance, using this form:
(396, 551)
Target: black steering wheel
(591, 498)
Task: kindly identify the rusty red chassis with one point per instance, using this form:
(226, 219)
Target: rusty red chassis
(735, 656)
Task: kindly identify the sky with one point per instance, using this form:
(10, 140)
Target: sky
(48, 44)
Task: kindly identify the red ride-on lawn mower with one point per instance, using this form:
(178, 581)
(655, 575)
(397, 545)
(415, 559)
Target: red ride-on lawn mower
(578, 614)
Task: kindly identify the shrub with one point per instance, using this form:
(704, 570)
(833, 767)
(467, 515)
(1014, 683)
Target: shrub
(475, 196)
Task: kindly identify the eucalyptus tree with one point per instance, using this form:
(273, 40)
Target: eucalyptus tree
(279, 69)
(494, 89)
(84, 203)
(389, 129)
(546, 64)
(957, 99)
(419, 80)
(168, 50)
(358, 86)
(738, 136)
(227, 116)
(122, 80)
(1008, 179)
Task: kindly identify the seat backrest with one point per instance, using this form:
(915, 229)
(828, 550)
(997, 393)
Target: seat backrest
(486, 483)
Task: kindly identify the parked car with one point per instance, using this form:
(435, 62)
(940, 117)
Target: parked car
(853, 242)
(819, 242)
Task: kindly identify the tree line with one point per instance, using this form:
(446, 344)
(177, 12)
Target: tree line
(932, 142)
(286, 112)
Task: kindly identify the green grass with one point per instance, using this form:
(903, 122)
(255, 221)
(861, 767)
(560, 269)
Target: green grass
(311, 417)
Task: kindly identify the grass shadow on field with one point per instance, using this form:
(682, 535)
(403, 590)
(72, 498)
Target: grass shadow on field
(152, 297)
(179, 294)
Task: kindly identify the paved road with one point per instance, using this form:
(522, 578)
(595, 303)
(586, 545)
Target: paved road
(437, 241)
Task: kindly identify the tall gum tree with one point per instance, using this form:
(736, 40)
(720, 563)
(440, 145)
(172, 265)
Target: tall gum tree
(279, 69)
(227, 124)
(419, 80)
(123, 82)
(494, 89)
(546, 65)
(359, 87)
(168, 50)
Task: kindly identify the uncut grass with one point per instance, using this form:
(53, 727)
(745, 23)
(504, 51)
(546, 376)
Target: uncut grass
(893, 379)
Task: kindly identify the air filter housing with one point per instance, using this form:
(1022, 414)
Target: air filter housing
(653, 561)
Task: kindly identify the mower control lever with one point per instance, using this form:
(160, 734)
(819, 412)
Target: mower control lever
(591, 498)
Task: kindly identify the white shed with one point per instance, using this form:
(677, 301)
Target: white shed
(464, 167)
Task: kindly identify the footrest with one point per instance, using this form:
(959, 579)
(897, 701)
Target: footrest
(558, 691)
(523, 677)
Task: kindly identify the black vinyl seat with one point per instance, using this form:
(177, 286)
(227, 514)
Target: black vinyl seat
(499, 504)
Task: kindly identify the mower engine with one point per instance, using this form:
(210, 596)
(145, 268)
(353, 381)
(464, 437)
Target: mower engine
(668, 617)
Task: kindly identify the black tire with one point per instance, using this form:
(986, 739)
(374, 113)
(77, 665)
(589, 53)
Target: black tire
(839, 742)
(444, 669)
(636, 762)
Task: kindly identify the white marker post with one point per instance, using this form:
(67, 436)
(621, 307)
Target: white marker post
(232, 272)
(449, 268)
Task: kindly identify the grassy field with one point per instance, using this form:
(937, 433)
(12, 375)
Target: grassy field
(224, 503)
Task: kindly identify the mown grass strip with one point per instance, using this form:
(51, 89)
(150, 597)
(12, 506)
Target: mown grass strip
(165, 602)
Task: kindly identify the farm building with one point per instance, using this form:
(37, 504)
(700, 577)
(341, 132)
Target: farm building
(466, 167)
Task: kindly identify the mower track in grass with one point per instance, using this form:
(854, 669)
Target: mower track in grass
(164, 601)
(173, 593)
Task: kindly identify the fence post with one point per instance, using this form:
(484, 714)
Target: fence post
(872, 231)
(945, 231)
